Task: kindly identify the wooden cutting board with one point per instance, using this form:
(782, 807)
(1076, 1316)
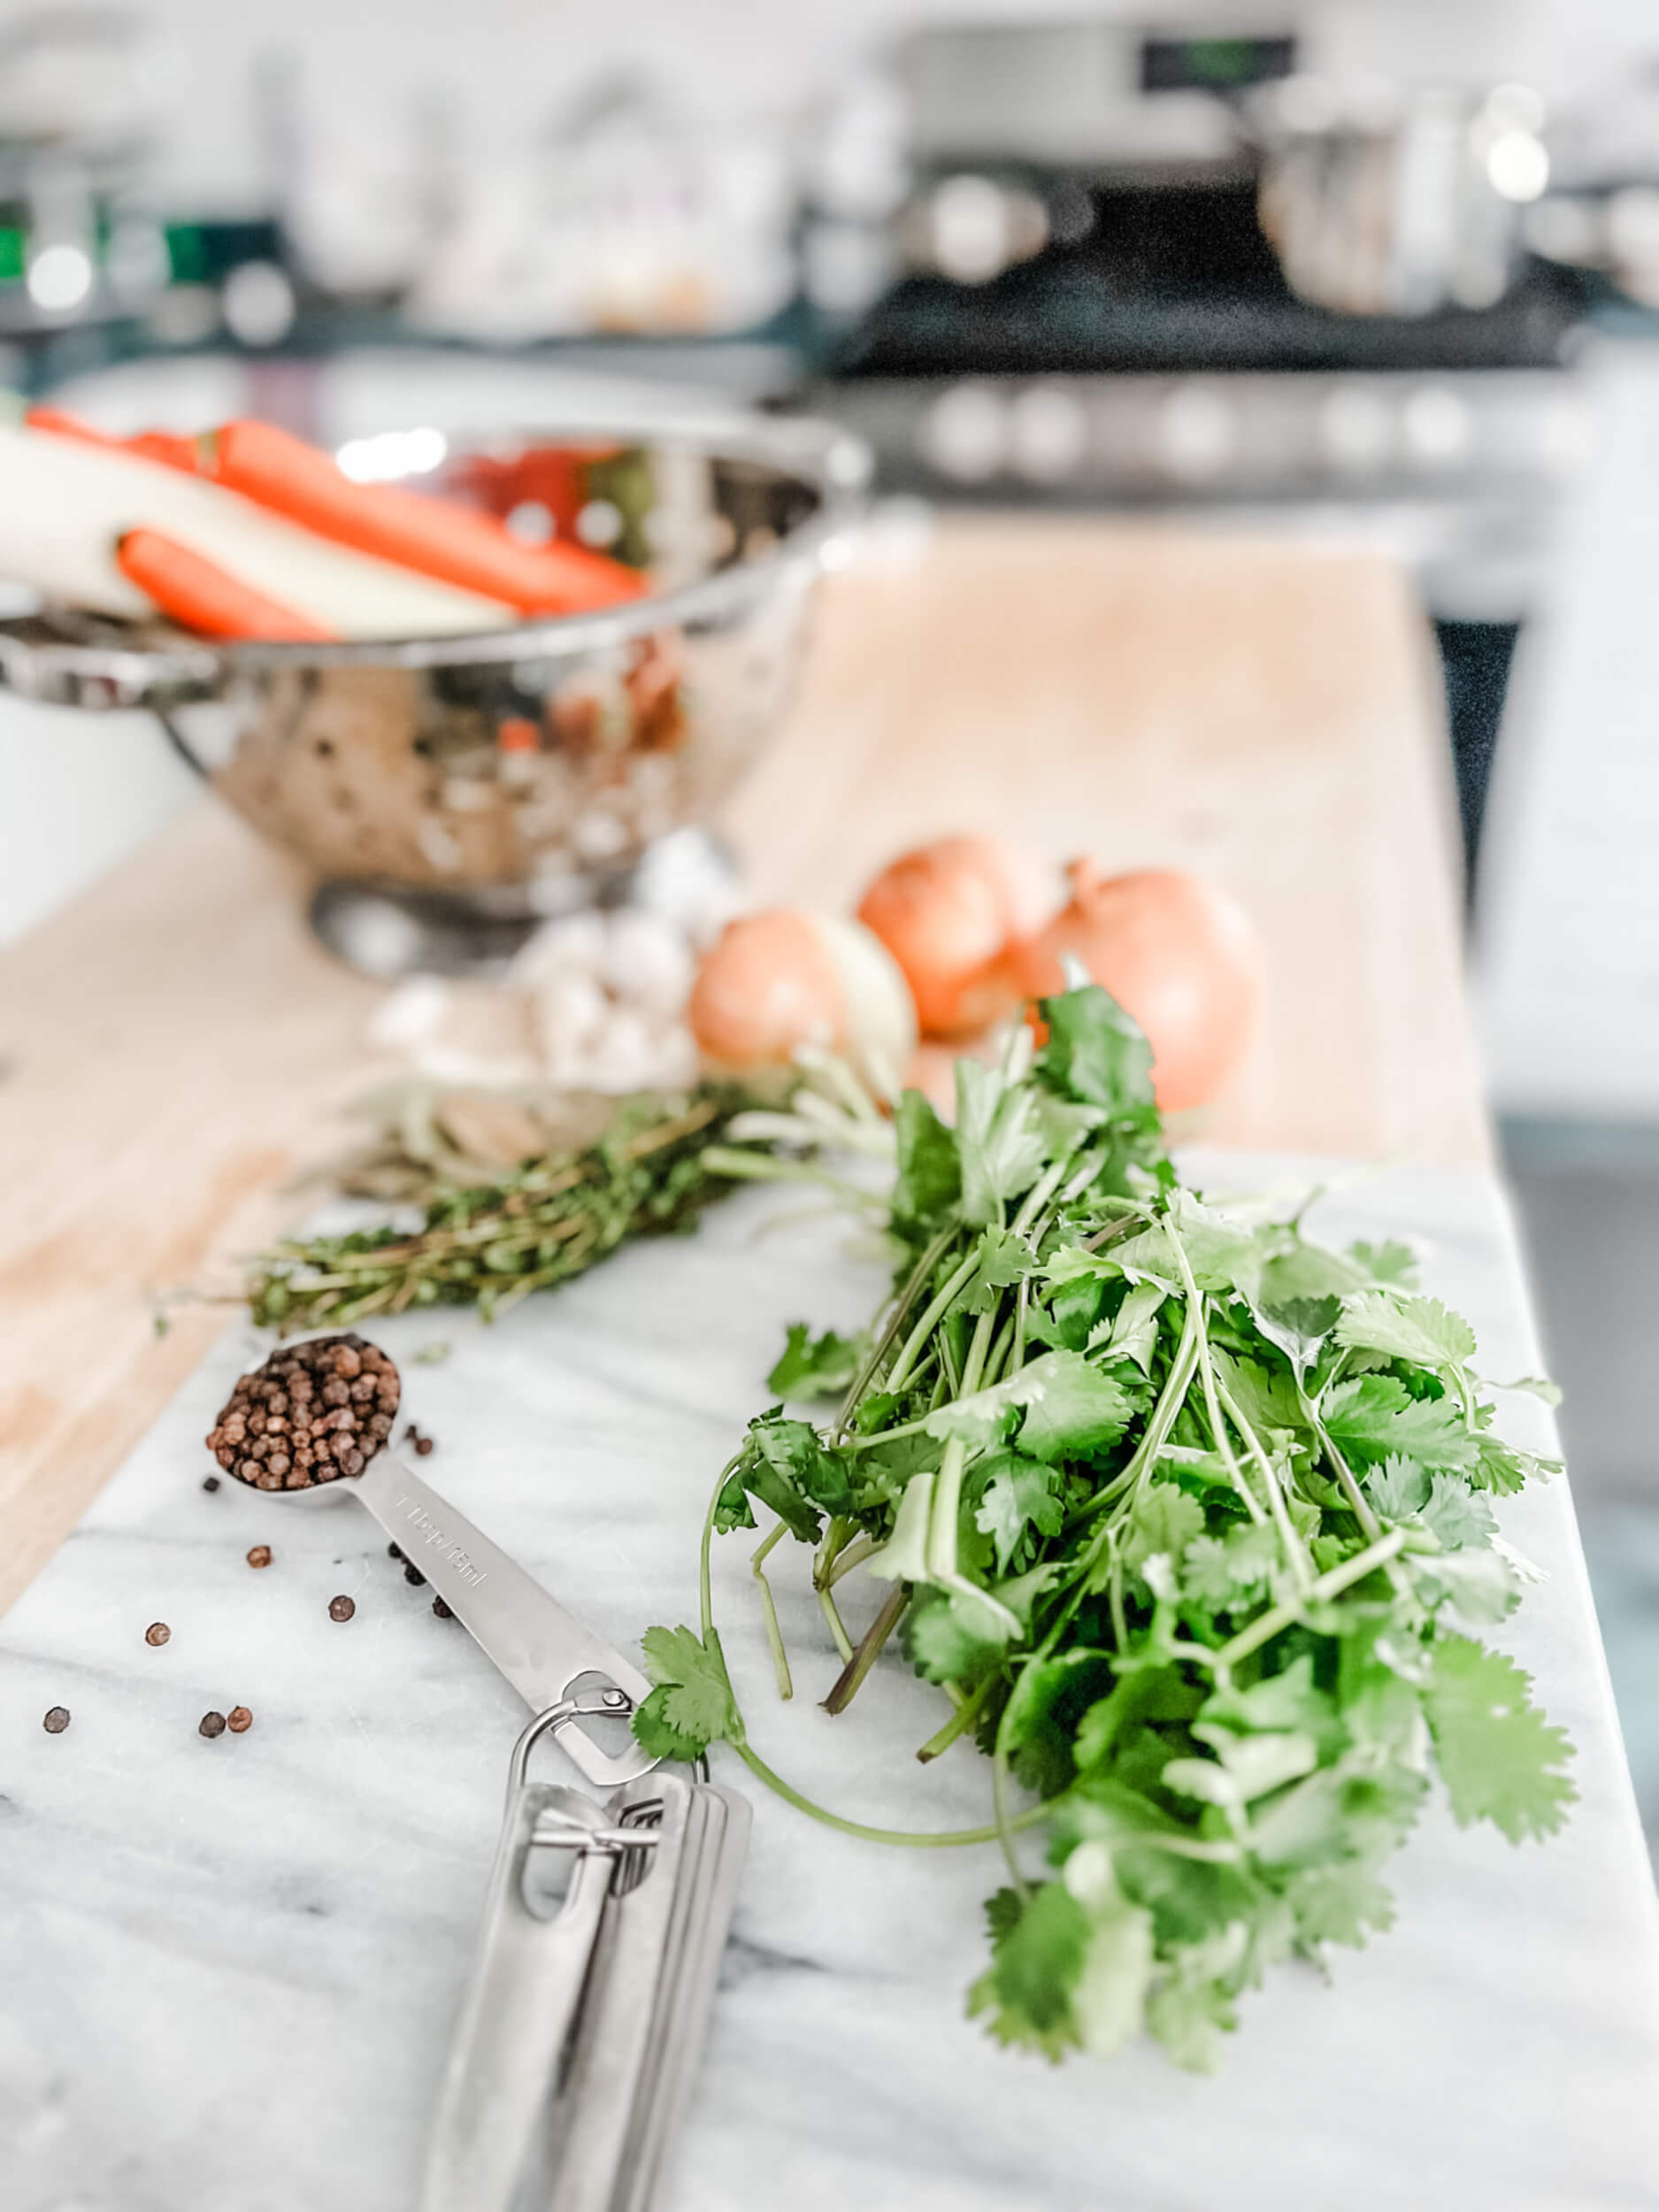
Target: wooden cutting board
(174, 1048)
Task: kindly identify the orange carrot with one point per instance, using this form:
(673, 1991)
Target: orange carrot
(64, 425)
(165, 446)
(171, 448)
(430, 535)
(206, 598)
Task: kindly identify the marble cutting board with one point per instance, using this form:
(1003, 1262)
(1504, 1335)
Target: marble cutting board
(228, 1969)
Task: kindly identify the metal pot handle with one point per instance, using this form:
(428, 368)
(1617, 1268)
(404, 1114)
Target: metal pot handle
(41, 659)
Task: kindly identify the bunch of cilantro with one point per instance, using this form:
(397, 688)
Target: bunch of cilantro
(1189, 1520)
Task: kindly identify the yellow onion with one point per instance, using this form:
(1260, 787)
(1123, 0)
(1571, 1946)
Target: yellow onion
(1175, 951)
(786, 977)
(949, 913)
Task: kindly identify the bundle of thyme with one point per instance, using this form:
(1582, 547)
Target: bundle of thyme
(489, 1244)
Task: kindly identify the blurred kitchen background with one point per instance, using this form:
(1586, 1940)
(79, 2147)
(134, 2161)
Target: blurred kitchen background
(1359, 270)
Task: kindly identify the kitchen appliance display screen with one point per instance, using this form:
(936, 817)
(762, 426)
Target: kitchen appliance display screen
(1213, 64)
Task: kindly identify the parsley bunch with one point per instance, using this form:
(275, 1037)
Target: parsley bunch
(1188, 1518)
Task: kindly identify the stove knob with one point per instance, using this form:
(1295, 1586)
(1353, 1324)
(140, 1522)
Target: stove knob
(1197, 433)
(965, 434)
(1356, 430)
(1050, 433)
(1439, 429)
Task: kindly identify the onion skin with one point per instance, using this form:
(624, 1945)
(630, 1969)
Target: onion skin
(1177, 953)
(778, 980)
(768, 986)
(949, 913)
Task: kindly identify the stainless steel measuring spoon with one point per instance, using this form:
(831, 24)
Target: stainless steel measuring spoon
(547, 1654)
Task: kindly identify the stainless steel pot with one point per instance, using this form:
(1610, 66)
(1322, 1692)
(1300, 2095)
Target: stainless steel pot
(456, 791)
(1397, 203)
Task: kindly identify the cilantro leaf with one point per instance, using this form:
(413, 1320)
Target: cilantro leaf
(1063, 1974)
(1376, 1418)
(1019, 1494)
(1186, 2008)
(930, 1173)
(1420, 1329)
(954, 1635)
(1339, 1904)
(1390, 1262)
(1457, 1514)
(1501, 1760)
(784, 1464)
(1003, 1260)
(1224, 1572)
(692, 1705)
(1097, 1053)
(1067, 1407)
(814, 1366)
(1036, 1956)
(1132, 1332)
(1481, 1585)
(1296, 1270)
(1397, 1489)
(1165, 1520)
(998, 1141)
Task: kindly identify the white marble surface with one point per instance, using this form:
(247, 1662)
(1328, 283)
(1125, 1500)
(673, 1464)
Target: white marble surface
(228, 1969)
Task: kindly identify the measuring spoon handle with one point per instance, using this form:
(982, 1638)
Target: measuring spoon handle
(540, 1647)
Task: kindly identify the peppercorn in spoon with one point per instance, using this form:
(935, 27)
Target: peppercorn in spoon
(315, 1421)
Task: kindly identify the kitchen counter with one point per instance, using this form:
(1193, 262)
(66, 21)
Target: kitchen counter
(174, 1048)
(232, 1968)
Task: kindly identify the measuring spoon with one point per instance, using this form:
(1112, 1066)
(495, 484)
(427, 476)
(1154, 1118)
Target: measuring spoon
(547, 1654)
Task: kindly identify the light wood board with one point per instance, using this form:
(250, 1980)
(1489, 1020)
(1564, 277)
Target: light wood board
(174, 1049)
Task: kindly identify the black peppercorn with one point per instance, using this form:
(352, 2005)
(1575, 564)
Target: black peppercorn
(444, 1612)
(158, 1633)
(56, 1720)
(342, 1609)
(210, 1725)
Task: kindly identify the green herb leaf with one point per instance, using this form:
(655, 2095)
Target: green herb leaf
(1069, 1408)
(1415, 1329)
(1019, 1494)
(1389, 1261)
(1376, 1418)
(998, 1139)
(692, 1705)
(954, 1636)
(1457, 1514)
(814, 1366)
(1501, 1760)
(930, 1174)
(1097, 1053)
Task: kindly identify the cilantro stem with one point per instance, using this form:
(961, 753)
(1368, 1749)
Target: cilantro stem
(1207, 1381)
(901, 1305)
(946, 1508)
(865, 1651)
(964, 1718)
(863, 1547)
(1358, 1504)
(1267, 1625)
(1290, 1543)
(909, 1839)
(1004, 1819)
(837, 1626)
(774, 1633)
(956, 1283)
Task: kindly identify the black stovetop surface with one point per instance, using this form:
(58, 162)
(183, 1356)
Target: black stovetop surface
(1180, 281)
